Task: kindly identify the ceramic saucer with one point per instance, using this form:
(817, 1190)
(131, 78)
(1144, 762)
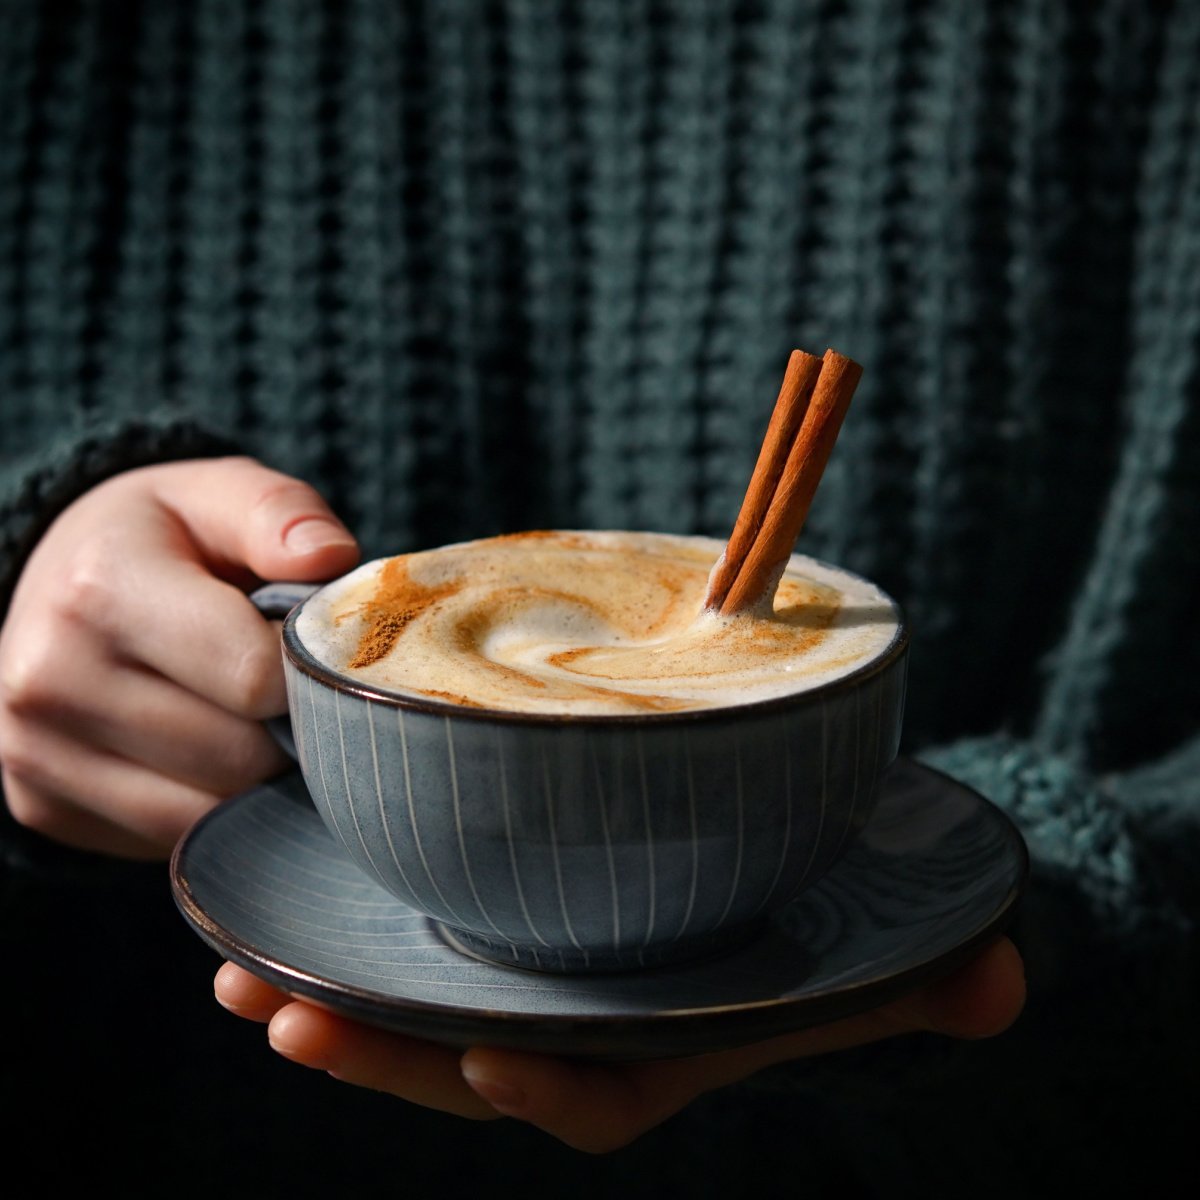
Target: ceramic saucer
(934, 876)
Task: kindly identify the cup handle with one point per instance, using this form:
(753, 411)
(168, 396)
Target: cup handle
(275, 601)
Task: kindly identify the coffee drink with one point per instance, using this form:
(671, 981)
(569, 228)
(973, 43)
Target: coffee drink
(543, 744)
(601, 751)
(589, 624)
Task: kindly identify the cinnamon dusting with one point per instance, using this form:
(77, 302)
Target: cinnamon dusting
(621, 631)
(398, 599)
(453, 697)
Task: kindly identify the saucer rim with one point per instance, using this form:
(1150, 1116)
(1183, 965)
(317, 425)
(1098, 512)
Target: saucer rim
(674, 1032)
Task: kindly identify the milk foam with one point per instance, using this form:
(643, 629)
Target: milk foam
(588, 623)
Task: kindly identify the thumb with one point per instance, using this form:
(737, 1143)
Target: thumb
(979, 1000)
(241, 514)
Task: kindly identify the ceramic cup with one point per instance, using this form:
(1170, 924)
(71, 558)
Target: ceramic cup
(591, 843)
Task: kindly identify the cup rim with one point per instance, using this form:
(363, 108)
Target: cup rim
(304, 661)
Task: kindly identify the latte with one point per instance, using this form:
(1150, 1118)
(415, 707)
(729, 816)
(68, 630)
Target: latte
(588, 623)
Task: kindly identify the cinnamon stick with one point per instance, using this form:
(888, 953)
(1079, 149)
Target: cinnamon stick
(790, 406)
(764, 562)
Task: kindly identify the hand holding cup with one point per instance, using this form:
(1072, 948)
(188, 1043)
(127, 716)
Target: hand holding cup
(134, 676)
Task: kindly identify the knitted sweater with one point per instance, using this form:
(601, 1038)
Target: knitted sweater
(475, 267)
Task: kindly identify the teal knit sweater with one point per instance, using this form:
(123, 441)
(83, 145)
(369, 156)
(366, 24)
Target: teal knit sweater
(470, 267)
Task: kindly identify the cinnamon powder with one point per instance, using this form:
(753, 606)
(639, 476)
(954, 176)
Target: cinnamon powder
(398, 599)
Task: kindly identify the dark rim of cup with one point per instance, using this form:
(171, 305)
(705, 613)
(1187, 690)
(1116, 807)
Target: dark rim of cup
(303, 660)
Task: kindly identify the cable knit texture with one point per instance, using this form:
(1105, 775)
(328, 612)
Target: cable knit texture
(478, 265)
(1075, 826)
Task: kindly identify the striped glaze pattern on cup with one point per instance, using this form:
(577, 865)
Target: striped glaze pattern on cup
(594, 843)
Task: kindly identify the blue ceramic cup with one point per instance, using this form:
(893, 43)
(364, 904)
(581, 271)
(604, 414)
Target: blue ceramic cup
(591, 843)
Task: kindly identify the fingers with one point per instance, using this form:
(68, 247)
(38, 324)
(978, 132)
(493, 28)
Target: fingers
(118, 577)
(246, 995)
(239, 513)
(108, 757)
(56, 777)
(405, 1067)
(59, 818)
(133, 674)
(205, 636)
(164, 612)
(600, 1107)
(980, 1000)
(143, 717)
(144, 723)
(159, 593)
(592, 1107)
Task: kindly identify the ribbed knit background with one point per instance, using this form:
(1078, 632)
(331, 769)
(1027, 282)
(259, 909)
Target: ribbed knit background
(481, 266)
(477, 266)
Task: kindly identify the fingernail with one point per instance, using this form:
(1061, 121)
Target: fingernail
(314, 533)
(503, 1097)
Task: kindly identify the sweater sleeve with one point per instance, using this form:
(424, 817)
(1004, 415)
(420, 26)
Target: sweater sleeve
(1108, 1041)
(33, 491)
(1113, 841)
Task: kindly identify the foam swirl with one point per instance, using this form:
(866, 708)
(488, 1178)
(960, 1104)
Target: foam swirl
(588, 623)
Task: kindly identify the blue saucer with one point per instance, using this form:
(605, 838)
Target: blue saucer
(934, 876)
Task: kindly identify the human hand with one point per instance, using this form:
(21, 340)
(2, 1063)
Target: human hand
(598, 1107)
(134, 674)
